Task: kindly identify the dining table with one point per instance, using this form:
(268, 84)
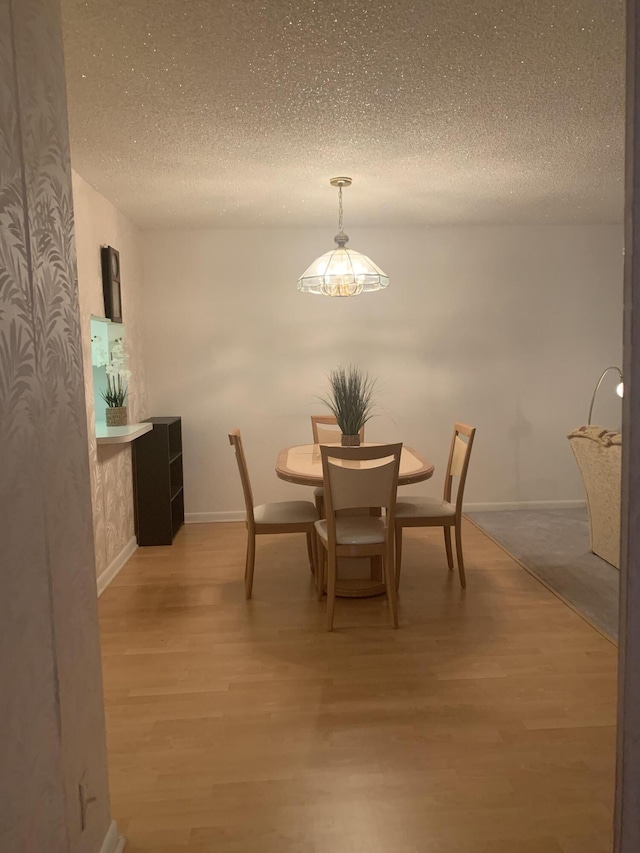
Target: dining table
(302, 465)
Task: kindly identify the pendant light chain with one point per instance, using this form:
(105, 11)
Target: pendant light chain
(341, 238)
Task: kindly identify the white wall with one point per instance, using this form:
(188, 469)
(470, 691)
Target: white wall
(99, 223)
(506, 328)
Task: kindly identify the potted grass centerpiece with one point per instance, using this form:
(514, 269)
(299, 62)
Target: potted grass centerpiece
(115, 394)
(351, 401)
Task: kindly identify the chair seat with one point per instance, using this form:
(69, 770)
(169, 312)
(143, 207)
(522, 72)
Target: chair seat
(416, 507)
(359, 530)
(318, 492)
(285, 512)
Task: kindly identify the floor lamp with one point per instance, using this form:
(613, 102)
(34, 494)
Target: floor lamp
(619, 389)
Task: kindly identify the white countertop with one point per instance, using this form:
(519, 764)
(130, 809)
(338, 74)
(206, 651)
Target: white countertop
(120, 434)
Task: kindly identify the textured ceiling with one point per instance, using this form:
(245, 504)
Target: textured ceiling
(236, 114)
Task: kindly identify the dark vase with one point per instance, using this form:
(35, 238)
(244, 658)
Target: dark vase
(350, 440)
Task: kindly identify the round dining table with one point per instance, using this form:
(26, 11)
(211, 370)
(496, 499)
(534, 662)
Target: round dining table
(303, 465)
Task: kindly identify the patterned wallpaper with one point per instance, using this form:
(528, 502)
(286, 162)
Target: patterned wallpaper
(99, 223)
(51, 704)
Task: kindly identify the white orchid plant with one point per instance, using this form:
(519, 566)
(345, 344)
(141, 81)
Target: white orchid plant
(118, 375)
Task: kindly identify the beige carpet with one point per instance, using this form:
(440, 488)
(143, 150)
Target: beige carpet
(554, 545)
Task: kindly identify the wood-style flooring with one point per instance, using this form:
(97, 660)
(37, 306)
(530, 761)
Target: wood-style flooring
(484, 724)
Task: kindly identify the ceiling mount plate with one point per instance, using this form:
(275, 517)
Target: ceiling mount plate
(340, 182)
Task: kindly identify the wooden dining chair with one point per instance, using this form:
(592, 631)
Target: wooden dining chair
(277, 517)
(325, 430)
(358, 478)
(432, 512)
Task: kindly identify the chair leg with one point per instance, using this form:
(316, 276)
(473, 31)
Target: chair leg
(250, 564)
(316, 552)
(390, 579)
(320, 573)
(310, 552)
(320, 506)
(331, 588)
(463, 579)
(398, 554)
(447, 545)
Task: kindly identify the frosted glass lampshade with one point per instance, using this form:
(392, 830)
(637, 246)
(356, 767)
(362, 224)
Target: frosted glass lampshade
(620, 389)
(342, 272)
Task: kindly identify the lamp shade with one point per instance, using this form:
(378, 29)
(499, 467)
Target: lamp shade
(342, 272)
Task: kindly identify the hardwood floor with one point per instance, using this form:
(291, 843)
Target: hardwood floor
(484, 724)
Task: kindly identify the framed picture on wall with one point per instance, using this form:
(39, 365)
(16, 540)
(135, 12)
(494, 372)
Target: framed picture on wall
(111, 283)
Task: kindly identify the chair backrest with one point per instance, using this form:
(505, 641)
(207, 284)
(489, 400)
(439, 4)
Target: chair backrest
(459, 455)
(235, 440)
(360, 477)
(326, 430)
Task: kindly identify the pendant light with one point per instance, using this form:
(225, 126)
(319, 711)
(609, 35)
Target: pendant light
(342, 271)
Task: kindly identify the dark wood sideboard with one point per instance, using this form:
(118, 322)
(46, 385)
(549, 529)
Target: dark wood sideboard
(158, 495)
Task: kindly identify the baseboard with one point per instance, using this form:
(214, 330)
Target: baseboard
(113, 841)
(105, 578)
(487, 507)
(209, 517)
